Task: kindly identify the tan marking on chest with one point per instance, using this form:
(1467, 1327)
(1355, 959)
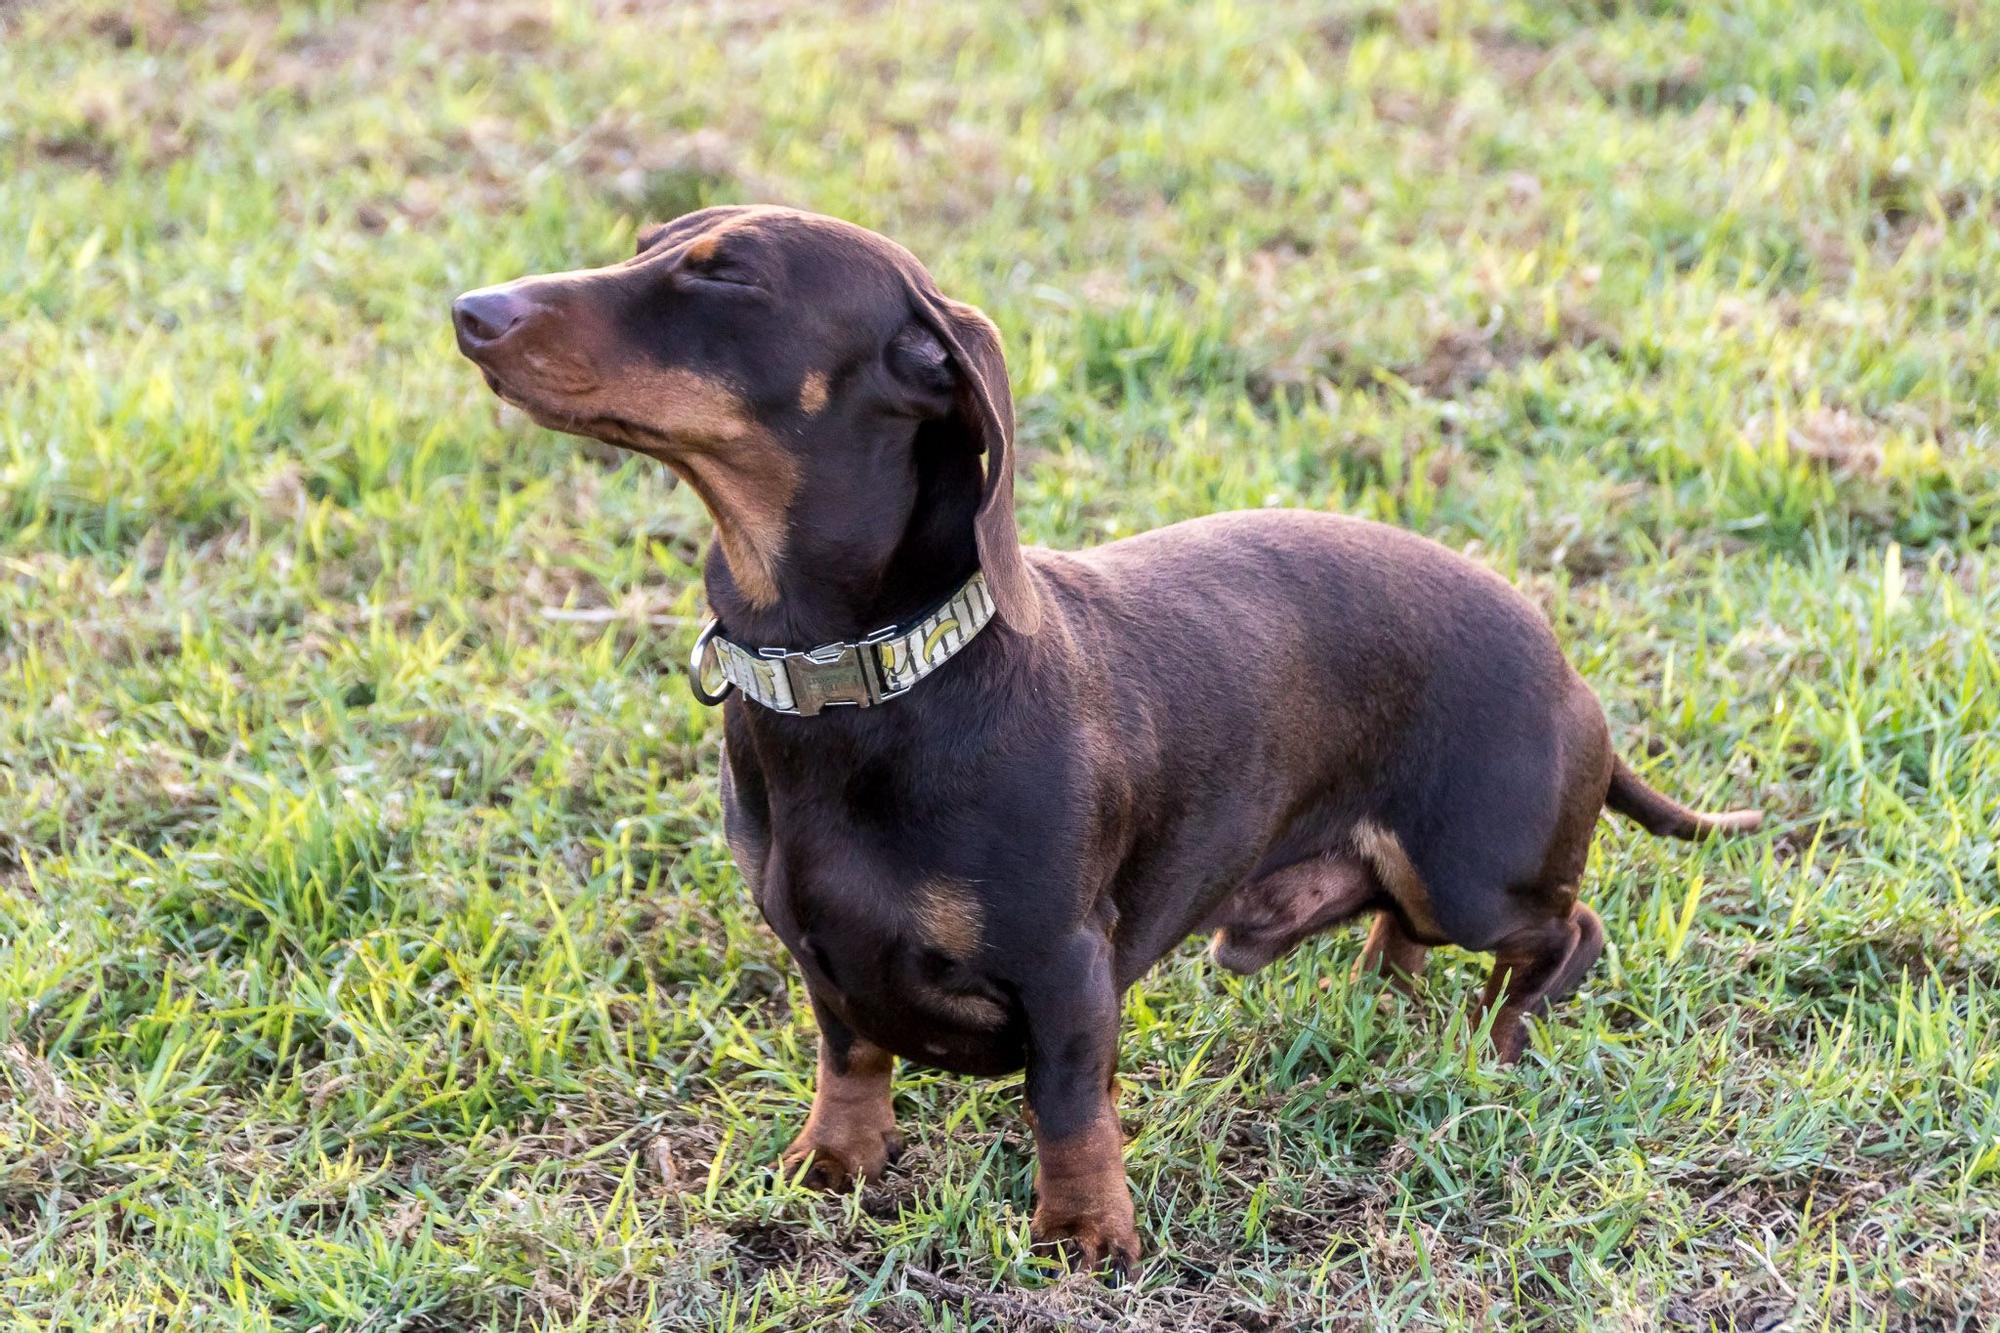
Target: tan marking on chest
(978, 1012)
(947, 917)
(812, 393)
(1384, 851)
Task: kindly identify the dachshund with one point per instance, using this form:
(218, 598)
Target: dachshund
(977, 789)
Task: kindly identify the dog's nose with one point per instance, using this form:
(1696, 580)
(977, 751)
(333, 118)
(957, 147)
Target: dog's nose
(487, 315)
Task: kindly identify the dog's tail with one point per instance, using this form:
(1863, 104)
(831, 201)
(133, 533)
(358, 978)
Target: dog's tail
(1661, 814)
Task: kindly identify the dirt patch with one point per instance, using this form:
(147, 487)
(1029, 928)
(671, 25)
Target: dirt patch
(44, 1093)
(156, 25)
(762, 1246)
(78, 149)
(1515, 61)
(1463, 357)
(116, 123)
(1844, 443)
(1677, 86)
(1414, 23)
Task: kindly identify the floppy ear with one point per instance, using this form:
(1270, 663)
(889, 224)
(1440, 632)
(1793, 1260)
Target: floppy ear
(984, 403)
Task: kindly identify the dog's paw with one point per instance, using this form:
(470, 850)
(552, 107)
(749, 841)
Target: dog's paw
(834, 1163)
(1090, 1239)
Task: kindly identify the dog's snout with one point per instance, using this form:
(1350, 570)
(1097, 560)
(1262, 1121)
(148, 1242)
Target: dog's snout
(488, 315)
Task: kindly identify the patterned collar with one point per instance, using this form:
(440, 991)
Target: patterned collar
(887, 663)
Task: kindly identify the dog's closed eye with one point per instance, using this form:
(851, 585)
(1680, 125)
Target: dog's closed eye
(723, 270)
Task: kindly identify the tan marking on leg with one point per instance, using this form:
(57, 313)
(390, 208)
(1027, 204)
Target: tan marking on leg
(851, 1131)
(1391, 953)
(812, 393)
(946, 916)
(1081, 1195)
(1384, 850)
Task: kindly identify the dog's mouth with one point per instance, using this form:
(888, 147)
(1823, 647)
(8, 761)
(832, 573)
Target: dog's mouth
(542, 409)
(562, 391)
(553, 414)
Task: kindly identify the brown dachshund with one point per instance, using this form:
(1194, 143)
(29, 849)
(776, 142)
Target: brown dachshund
(1258, 724)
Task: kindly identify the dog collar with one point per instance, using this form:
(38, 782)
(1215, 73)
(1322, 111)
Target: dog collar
(862, 673)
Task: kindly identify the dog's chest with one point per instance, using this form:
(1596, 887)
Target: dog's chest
(893, 951)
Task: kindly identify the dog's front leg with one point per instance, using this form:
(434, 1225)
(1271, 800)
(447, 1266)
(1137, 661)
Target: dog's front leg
(1081, 1197)
(850, 1133)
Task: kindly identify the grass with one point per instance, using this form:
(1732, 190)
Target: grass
(369, 952)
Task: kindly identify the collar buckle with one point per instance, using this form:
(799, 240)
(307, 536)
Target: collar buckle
(834, 675)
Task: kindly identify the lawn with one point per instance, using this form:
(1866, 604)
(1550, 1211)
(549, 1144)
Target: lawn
(370, 955)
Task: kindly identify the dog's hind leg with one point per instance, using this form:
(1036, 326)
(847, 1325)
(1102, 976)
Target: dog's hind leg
(1534, 967)
(1268, 917)
(1392, 954)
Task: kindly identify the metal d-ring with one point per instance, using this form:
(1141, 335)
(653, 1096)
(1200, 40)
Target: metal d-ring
(696, 687)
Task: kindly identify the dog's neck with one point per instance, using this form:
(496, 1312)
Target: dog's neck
(913, 549)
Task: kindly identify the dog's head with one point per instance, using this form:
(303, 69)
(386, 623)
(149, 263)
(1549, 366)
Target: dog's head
(778, 361)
